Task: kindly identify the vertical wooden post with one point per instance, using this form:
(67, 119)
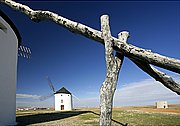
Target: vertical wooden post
(113, 65)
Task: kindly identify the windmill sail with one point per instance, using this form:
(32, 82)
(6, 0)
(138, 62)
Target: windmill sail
(50, 84)
(75, 97)
(24, 52)
(42, 98)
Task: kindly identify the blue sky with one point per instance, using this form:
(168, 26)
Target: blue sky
(78, 63)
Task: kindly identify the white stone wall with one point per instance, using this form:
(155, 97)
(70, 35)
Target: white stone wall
(161, 104)
(63, 99)
(8, 69)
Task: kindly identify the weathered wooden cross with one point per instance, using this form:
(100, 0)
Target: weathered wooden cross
(141, 57)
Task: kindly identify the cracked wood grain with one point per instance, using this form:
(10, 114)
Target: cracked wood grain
(113, 65)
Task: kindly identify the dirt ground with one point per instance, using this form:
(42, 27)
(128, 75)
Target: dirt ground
(161, 110)
(133, 116)
(171, 109)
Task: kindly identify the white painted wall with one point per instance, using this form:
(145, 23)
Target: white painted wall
(161, 104)
(67, 101)
(8, 69)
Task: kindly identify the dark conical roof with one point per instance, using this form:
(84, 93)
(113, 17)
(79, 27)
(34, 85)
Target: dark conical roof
(63, 90)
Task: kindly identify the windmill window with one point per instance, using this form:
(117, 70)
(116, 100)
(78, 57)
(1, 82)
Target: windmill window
(61, 101)
(61, 95)
(68, 95)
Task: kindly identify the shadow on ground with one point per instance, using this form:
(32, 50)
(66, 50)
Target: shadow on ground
(46, 117)
(112, 120)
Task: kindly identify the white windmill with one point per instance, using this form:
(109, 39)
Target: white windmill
(63, 98)
(10, 48)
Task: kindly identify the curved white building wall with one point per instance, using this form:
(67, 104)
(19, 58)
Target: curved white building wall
(63, 102)
(8, 68)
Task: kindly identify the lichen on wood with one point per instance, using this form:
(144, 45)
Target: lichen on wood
(113, 65)
(141, 57)
(129, 51)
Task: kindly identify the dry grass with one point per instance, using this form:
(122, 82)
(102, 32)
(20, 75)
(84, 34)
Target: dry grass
(133, 116)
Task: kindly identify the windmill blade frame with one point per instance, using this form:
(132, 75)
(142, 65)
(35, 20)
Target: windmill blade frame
(24, 51)
(50, 84)
(76, 97)
(42, 98)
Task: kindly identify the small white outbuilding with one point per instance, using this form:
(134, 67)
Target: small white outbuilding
(9, 41)
(161, 104)
(63, 100)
